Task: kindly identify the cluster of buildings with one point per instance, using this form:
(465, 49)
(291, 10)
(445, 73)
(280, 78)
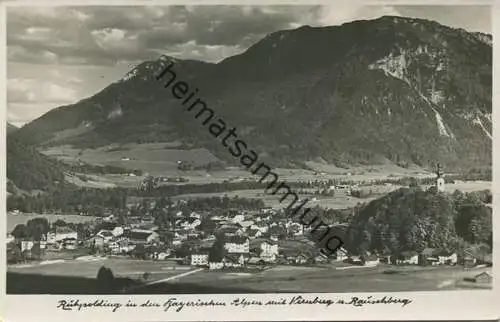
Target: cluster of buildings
(260, 237)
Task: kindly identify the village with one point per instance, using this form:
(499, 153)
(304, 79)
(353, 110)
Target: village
(224, 235)
(248, 238)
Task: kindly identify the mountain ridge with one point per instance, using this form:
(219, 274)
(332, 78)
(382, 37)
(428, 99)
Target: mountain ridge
(401, 89)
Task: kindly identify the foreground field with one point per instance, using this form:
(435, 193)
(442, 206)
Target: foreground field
(88, 268)
(170, 278)
(352, 279)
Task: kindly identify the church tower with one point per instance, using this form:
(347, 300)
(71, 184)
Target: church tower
(440, 178)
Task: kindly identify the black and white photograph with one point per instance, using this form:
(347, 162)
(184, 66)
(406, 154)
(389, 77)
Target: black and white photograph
(249, 149)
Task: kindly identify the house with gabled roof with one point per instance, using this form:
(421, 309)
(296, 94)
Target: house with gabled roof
(447, 258)
(254, 233)
(269, 250)
(483, 278)
(234, 260)
(237, 244)
(371, 260)
(407, 257)
(136, 236)
(58, 234)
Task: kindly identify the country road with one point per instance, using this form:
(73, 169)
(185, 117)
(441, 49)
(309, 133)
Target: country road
(174, 277)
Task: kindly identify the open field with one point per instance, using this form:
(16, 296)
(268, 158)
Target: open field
(155, 158)
(161, 159)
(357, 279)
(337, 278)
(88, 268)
(15, 219)
(339, 201)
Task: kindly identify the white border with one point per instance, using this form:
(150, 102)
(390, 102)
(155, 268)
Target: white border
(445, 305)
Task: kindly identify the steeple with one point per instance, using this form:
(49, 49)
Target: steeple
(440, 178)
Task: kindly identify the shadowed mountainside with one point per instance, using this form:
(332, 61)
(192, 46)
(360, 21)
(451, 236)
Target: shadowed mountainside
(407, 90)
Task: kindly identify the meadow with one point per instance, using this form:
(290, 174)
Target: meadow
(88, 267)
(161, 159)
(353, 279)
(331, 278)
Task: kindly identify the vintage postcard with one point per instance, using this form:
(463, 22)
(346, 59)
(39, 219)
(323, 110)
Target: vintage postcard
(248, 161)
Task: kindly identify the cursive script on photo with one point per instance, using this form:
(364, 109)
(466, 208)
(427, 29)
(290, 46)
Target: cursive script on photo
(173, 304)
(77, 305)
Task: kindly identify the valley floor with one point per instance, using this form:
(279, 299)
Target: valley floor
(173, 278)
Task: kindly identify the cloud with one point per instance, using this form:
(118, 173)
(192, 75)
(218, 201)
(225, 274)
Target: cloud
(32, 90)
(22, 113)
(19, 91)
(108, 35)
(337, 15)
(58, 55)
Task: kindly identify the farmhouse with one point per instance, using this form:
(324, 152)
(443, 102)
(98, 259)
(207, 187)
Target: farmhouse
(408, 257)
(200, 259)
(371, 260)
(483, 278)
(237, 244)
(95, 242)
(234, 260)
(215, 265)
(61, 233)
(254, 233)
(341, 254)
(446, 258)
(269, 250)
(137, 236)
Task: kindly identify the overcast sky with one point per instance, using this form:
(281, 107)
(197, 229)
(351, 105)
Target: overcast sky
(59, 55)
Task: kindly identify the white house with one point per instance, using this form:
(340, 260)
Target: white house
(191, 224)
(218, 218)
(9, 238)
(109, 218)
(254, 233)
(410, 258)
(163, 255)
(263, 228)
(69, 243)
(216, 265)
(237, 244)
(238, 218)
(199, 259)
(117, 231)
(372, 260)
(119, 245)
(26, 245)
(341, 254)
(195, 215)
(269, 251)
(61, 233)
(246, 223)
(448, 259)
